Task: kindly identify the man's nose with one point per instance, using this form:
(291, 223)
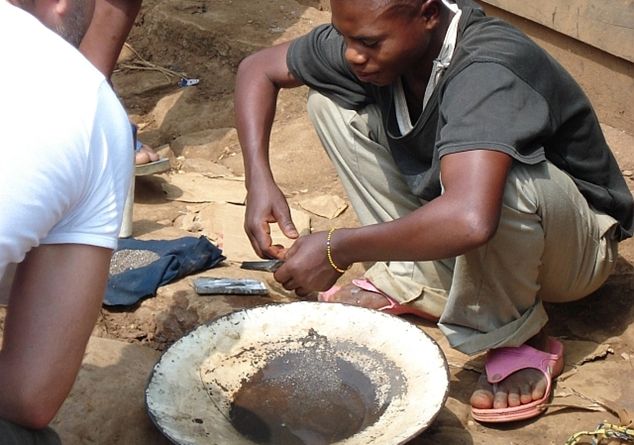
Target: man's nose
(354, 55)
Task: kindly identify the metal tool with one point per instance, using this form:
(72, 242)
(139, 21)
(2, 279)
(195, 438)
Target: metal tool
(229, 286)
(264, 265)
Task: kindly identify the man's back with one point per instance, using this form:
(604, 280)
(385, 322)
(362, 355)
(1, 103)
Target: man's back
(66, 143)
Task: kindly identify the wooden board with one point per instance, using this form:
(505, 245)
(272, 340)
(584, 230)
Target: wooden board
(607, 25)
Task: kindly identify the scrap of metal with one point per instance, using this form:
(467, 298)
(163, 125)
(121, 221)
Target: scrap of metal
(605, 431)
(188, 82)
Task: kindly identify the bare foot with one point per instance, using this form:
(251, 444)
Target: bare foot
(145, 155)
(519, 388)
(353, 295)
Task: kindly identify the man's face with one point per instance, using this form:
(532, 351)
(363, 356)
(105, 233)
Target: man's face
(381, 42)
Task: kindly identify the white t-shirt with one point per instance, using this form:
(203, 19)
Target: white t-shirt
(66, 154)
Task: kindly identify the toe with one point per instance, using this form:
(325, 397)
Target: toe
(141, 158)
(539, 389)
(482, 397)
(526, 393)
(514, 397)
(146, 155)
(500, 398)
(152, 155)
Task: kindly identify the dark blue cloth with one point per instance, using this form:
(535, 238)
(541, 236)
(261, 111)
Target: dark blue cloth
(178, 258)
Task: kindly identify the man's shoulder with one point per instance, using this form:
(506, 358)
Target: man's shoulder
(485, 38)
(323, 38)
(51, 89)
(40, 57)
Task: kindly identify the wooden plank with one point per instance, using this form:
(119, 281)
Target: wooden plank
(607, 24)
(608, 80)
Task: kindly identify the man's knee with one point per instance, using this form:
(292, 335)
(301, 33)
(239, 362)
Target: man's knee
(318, 105)
(337, 123)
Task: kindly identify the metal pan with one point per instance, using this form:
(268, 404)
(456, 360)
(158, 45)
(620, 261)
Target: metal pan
(194, 389)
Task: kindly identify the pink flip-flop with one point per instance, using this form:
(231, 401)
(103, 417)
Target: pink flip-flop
(392, 307)
(502, 362)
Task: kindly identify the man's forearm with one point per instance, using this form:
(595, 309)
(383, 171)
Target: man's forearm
(424, 235)
(54, 304)
(463, 218)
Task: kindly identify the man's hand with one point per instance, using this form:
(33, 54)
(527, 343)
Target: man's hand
(306, 267)
(266, 204)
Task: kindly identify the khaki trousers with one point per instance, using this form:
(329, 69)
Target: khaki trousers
(550, 245)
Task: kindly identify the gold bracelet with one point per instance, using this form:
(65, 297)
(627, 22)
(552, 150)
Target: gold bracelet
(329, 252)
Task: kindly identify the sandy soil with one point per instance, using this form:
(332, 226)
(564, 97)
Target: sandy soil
(194, 127)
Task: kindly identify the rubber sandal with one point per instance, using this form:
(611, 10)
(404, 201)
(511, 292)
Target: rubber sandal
(149, 168)
(502, 362)
(392, 307)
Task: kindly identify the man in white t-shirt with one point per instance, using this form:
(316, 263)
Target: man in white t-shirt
(65, 170)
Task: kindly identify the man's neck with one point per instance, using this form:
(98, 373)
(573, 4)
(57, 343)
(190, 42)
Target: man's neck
(415, 80)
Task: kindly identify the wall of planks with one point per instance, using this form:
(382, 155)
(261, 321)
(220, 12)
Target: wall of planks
(593, 40)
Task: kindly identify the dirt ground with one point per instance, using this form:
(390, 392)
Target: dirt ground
(194, 127)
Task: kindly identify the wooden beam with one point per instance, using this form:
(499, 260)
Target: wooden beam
(608, 80)
(606, 24)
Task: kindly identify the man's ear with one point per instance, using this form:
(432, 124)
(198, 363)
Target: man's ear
(61, 6)
(431, 13)
(50, 12)
(430, 10)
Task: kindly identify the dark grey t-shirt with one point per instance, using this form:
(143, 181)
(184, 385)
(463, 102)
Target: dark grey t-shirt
(501, 92)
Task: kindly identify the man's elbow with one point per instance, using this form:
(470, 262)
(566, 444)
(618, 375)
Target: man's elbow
(246, 64)
(478, 229)
(252, 66)
(32, 405)
(34, 412)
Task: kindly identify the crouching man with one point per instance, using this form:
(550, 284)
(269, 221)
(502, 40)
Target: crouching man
(476, 166)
